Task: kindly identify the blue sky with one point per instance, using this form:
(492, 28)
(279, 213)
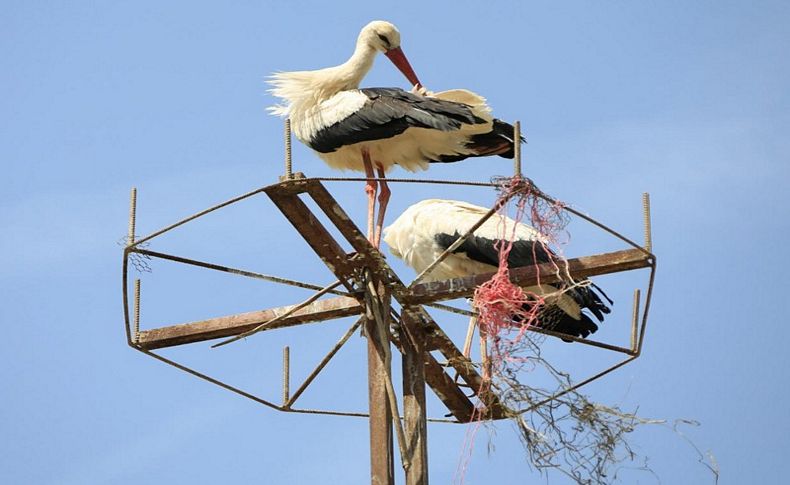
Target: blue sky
(688, 101)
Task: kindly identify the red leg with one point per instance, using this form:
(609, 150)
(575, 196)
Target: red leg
(384, 198)
(370, 189)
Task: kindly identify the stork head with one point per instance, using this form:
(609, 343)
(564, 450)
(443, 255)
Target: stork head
(384, 37)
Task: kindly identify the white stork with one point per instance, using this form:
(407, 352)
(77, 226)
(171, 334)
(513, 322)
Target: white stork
(429, 227)
(359, 129)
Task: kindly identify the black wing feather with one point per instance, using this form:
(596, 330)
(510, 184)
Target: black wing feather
(389, 112)
(526, 253)
(484, 250)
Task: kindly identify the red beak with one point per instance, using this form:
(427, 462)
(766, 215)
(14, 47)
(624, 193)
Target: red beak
(399, 59)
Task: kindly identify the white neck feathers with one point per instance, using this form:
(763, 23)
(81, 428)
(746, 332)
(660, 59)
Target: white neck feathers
(302, 90)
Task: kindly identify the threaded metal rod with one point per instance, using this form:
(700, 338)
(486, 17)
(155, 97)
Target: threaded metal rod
(136, 310)
(635, 320)
(288, 159)
(286, 375)
(132, 215)
(646, 216)
(517, 148)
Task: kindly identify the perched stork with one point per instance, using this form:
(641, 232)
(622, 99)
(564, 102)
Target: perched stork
(359, 129)
(429, 227)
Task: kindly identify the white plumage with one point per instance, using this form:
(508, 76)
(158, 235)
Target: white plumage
(377, 128)
(427, 228)
(317, 100)
(412, 237)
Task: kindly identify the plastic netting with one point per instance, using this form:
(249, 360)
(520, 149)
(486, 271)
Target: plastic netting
(561, 429)
(502, 306)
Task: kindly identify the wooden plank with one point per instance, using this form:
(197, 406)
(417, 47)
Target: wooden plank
(370, 256)
(314, 233)
(447, 390)
(415, 421)
(434, 374)
(442, 384)
(382, 455)
(579, 268)
(437, 339)
(339, 218)
(226, 326)
(345, 306)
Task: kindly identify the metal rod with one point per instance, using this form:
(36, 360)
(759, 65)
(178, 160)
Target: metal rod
(647, 248)
(352, 414)
(132, 216)
(577, 385)
(451, 309)
(375, 303)
(260, 400)
(581, 340)
(537, 193)
(648, 299)
(228, 269)
(199, 214)
(517, 148)
(210, 379)
(600, 225)
(288, 160)
(470, 331)
(460, 240)
(543, 331)
(127, 324)
(136, 310)
(277, 319)
(323, 363)
(635, 321)
(286, 374)
(646, 216)
(485, 362)
(389, 180)
(405, 181)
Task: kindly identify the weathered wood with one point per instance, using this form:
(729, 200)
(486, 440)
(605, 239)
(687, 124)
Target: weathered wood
(422, 334)
(316, 235)
(460, 406)
(382, 456)
(341, 220)
(422, 293)
(366, 254)
(447, 390)
(438, 340)
(414, 411)
(582, 267)
(185, 333)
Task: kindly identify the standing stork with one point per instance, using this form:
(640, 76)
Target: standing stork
(362, 129)
(429, 227)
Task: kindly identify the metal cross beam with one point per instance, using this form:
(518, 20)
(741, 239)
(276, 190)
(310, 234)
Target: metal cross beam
(419, 334)
(424, 293)
(286, 197)
(350, 268)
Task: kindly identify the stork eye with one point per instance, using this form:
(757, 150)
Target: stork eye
(385, 40)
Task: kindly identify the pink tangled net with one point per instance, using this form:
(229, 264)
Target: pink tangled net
(505, 310)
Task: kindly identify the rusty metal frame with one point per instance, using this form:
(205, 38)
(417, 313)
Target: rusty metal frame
(349, 302)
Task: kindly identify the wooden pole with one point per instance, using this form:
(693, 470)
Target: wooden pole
(414, 415)
(382, 470)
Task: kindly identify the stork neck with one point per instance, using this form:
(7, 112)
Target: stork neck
(358, 65)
